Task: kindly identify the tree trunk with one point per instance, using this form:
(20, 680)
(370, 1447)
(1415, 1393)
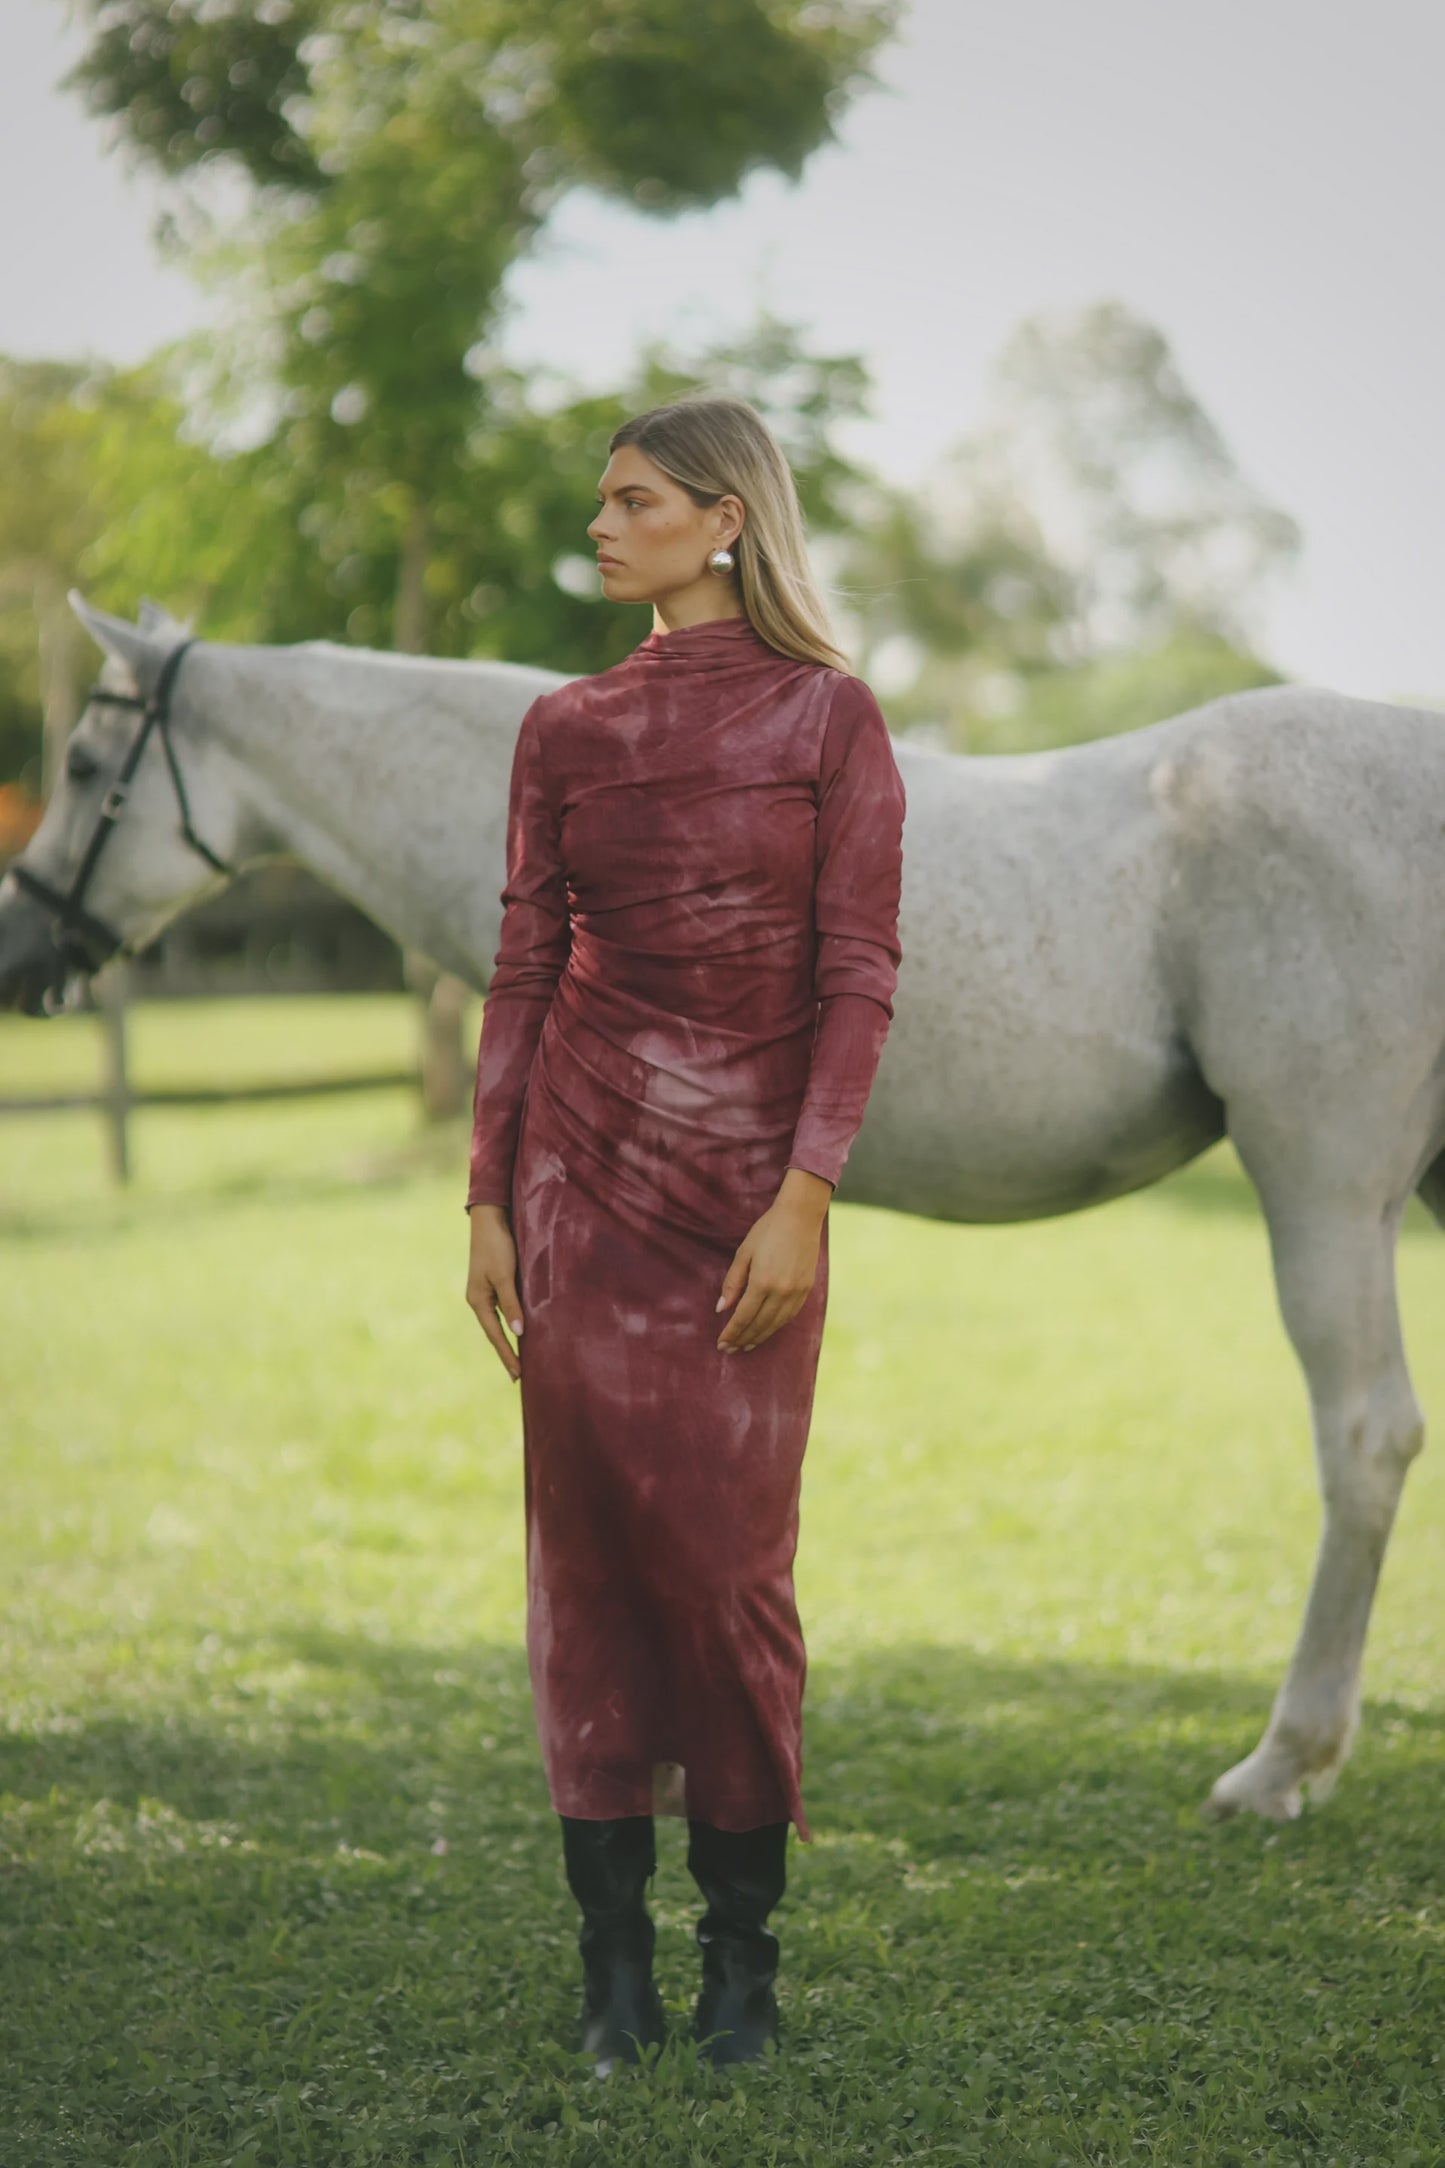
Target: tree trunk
(446, 1090)
(58, 638)
(446, 1086)
(409, 621)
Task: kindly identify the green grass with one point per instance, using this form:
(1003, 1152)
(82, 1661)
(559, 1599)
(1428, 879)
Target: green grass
(279, 1880)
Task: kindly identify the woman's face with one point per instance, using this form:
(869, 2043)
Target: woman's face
(652, 540)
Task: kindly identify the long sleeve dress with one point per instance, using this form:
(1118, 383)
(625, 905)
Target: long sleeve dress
(698, 956)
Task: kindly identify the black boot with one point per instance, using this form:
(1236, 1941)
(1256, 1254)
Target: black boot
(608, 1864)
(742, 1873)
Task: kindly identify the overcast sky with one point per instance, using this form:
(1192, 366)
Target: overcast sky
(1262, 179)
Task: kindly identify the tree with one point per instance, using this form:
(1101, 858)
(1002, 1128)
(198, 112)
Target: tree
(237, 542)
(103, 482)
(514, 574)
(47, 509)
(1087, 559)
(398, 157)
(1137, 497)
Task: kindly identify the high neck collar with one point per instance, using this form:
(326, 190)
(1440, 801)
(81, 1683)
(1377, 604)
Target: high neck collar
(713, 640)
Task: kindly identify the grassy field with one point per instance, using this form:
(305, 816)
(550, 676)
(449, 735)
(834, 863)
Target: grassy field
(279, 1880)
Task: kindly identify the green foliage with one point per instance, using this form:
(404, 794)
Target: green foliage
(672, 103)
(1121, 692)
(247, 546)
(19, 703)
(528, 490)
(281, 1879)
(1090, 559)
(109, 482)
(404, 156)
(44, 446)
(191, 83)
(52, 501)
(220, 540)
(997, 709)
(1135, 495)
(993, 590)
(376, 293)
(669, 102)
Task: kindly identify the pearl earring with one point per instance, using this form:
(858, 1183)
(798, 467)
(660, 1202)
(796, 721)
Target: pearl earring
(720, 562)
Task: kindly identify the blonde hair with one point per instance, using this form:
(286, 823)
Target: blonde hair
(716, 447)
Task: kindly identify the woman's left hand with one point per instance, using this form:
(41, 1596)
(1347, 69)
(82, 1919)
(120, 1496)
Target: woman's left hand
(776, 1262)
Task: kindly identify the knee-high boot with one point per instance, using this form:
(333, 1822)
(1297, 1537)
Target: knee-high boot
(608, 1864)
(742, 1874)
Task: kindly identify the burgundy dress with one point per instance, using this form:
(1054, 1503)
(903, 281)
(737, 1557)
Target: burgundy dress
(698, 956)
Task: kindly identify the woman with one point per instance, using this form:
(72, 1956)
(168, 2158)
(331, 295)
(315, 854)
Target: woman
(698, 956)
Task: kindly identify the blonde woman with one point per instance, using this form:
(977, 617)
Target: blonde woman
(698, 956)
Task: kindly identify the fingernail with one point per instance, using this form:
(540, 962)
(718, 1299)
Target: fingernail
(516, 1324)
(719, 1303)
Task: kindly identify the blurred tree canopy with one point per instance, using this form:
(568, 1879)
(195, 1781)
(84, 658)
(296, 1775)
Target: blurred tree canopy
(350, 458)
(964, 604)
(107, 480)
(671, 102)
(43, 527)
(1090, 559)
(398, 155)
(53, 504)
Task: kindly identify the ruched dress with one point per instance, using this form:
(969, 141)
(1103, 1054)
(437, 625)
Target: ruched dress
(699, 952)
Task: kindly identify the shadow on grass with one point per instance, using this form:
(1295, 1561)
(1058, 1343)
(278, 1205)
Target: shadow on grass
(393, 1746)
(316, 1912)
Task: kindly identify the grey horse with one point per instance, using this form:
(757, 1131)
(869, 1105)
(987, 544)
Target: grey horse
(1230, 922)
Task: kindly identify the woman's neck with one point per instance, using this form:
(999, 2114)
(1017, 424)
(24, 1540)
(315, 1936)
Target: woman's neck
(692, 607)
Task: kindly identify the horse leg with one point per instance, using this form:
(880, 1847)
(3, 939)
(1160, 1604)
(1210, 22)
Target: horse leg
(1334, 1264)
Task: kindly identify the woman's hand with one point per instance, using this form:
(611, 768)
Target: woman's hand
(777, 1261)
(492, 1280)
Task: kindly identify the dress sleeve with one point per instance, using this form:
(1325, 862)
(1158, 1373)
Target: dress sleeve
(858, 887)
(536, 941)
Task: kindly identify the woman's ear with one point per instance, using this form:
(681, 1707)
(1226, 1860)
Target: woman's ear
(732, 518)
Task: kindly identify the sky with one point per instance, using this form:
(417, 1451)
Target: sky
(1261, 179)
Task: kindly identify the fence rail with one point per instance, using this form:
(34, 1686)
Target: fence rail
(115, 1099)
(207, 1095)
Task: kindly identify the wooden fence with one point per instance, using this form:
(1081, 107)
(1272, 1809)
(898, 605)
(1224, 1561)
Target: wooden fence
(117, 1097)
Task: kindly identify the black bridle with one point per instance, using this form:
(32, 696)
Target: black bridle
(85, 942)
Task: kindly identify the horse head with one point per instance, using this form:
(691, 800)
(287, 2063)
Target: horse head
(141, 821)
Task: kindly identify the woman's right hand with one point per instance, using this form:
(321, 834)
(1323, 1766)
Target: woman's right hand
(492, 1280)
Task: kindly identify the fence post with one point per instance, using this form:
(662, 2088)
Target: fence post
(446, 1089)
(112, 983)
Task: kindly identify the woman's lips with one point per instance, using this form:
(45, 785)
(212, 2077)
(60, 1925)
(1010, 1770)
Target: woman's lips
(605, 564)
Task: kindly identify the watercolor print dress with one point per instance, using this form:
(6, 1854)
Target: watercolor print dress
(699, 951)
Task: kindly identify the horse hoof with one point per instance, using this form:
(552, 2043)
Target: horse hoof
(1246, 1789)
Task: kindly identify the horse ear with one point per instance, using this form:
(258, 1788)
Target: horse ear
(126, 642)
(155, 620)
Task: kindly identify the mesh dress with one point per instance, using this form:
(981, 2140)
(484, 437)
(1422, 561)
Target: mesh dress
(699, 951)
